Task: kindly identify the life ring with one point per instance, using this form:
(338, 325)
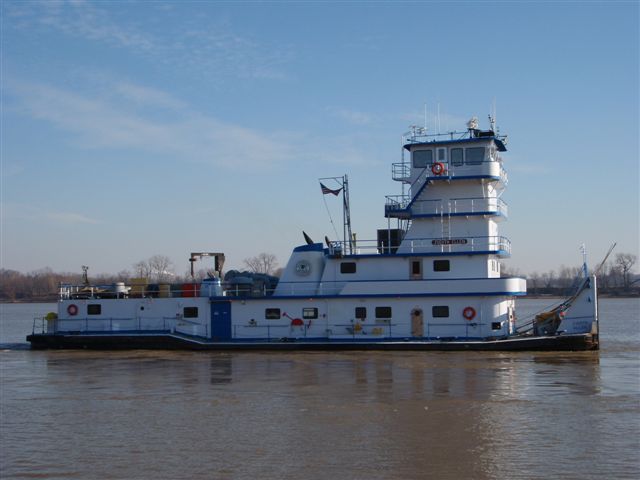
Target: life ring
(469, 313)
(72, 310)
(437, 168)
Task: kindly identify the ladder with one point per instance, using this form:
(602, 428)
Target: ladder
(445, 221)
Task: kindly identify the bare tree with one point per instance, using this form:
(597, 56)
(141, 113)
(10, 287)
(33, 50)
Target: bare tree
(142, 269)
(262, 263)
(158, 268)
(625, 262)
(548, 278)
(161, 268)
(534, 281)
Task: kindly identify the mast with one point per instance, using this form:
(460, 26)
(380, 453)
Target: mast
(348, 240)
(346, 214)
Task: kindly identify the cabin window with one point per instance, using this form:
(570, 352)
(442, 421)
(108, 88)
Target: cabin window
(361, 313)
(442, 155)
(416, 269)
(440, 311)
(272, 313)
(496, 325)
(190, 312)
(348, 267)
(441, 266)
(95, 309)
(383, 312)
(457, 156)
(309, 313)
(475, 156)
(422, 158)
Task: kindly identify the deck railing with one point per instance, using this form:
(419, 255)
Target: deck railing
(107, 325)
(338, 331)
(453, 206)
(497, 244)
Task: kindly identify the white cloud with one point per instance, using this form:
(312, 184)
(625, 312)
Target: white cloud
(114, 122)
(201, 44)
(70, 218)
(37, 213)
(147, 96)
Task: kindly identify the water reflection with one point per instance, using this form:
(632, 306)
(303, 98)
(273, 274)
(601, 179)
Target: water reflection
(356, 415)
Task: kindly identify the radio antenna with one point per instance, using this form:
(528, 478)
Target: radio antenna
(425, 117)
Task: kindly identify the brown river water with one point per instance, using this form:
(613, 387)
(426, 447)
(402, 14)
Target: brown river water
(360, 415)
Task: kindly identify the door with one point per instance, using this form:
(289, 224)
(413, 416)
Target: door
(220, 321)
(417, 323)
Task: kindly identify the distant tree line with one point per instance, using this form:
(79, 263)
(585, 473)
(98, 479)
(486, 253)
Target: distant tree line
(616, 277)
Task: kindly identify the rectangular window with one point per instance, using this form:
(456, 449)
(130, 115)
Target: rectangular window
(441, 266)
(383, 312)
(309, 313)
(190, 312)
(422, 158)
(361, 313)
(95, 309)
(457, 157)
(475, 156)
(496, 325)
(442, 155)
(272, 313)
(441, 311)
(348, 267)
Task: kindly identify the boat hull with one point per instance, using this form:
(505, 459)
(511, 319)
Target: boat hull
(161, 341)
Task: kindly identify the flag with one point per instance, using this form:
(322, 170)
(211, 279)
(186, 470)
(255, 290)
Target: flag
(326, 190)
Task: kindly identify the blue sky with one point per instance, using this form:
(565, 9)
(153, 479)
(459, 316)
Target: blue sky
(138, 128)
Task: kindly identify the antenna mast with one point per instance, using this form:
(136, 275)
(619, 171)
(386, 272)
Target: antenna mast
(347, 235)
(346, 214)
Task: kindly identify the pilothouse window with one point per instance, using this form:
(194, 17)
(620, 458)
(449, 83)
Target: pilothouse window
(457, 157)
(422, 158)
(474, 156)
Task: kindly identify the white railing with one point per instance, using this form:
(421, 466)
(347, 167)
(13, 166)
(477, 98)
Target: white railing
(440, 245)
(453, 206)
(354, 330)
(460, 206)
(105, 325)
(310, 289)
(400, 171)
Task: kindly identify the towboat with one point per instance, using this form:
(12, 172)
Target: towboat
(430, 280)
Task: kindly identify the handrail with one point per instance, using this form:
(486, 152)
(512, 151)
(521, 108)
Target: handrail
(439, 244)
(452, 206)
(101, 324)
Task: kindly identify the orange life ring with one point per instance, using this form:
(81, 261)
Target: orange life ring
(437, 168)
(72, 310)
(469, 313)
